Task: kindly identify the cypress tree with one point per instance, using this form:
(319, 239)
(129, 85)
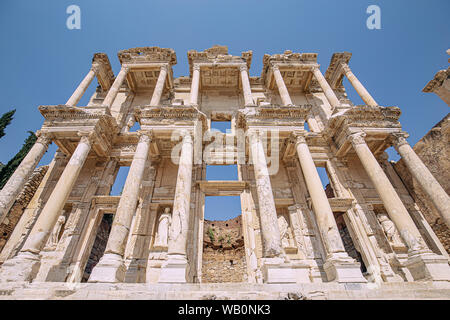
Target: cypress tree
(5, 120)
(7, 171)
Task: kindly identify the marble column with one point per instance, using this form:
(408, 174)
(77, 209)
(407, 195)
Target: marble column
(81, 89)
(20, 176)
(157, 93)
(246, 89)
(360, 89)
(25, 265)
(195, 85)
(284, 93)
(266, 202)
(322, 209)
(391, 201)
(176, 267)
(339, 266)
(112, 93)
(329, 93)
(423, 176)
(111, 267)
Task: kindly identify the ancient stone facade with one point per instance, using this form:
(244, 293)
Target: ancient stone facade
(295, 235)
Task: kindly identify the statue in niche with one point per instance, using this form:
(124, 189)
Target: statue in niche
(162, 235)
(54, 237)
(390, 230)
(287, 240)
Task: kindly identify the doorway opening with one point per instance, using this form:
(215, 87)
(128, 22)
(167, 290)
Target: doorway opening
(349, 245)
(99, 246)
(223, 258)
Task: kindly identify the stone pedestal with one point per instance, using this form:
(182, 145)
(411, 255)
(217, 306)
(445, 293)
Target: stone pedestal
(174, 270)
(112, 269)
(342, 268)
(428, 266)
(276, 270)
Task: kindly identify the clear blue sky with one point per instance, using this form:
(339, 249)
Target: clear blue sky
(42, 61)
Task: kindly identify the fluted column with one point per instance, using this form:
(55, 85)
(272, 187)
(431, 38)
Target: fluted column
(112, 93)
(111, 266)
(322, 209)
(248, 99)
(329, 93)
(26, 264)
(423, 176)
(360, 89)
(156, 98)
(266, 203)
(284, 93)
(195, 85)
(20, 176)
(391, 201)
(81, 89)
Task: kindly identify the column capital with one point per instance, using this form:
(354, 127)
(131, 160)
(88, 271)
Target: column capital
(87, 136)
(196, 67)
(95, 67)
(345, 67)
(275, 67)
(357, 138)
(398, 139)
(255, 134)
(145, 135)
(165, 67)
(297, 137)
(186, 136)
(243, 67)
(44, 137)
(125, 67)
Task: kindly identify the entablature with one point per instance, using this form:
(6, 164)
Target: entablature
(65, 123)
(377, 122)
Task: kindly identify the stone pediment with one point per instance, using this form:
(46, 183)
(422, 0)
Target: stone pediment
(217, 55)
(105, 74)
(147, 54)
(334, 74)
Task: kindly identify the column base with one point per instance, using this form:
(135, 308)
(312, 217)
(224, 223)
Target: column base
(174, 270)
(276, 270)
(23, 267)
(110, 269)
(342, 268)
(428, 266)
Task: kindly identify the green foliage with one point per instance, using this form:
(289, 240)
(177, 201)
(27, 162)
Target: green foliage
(5, 120)
(211, 234)
(7, 171)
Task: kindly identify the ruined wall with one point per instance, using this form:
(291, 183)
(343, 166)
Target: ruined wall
(433, 150)
(13, 217)
(223, 252)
